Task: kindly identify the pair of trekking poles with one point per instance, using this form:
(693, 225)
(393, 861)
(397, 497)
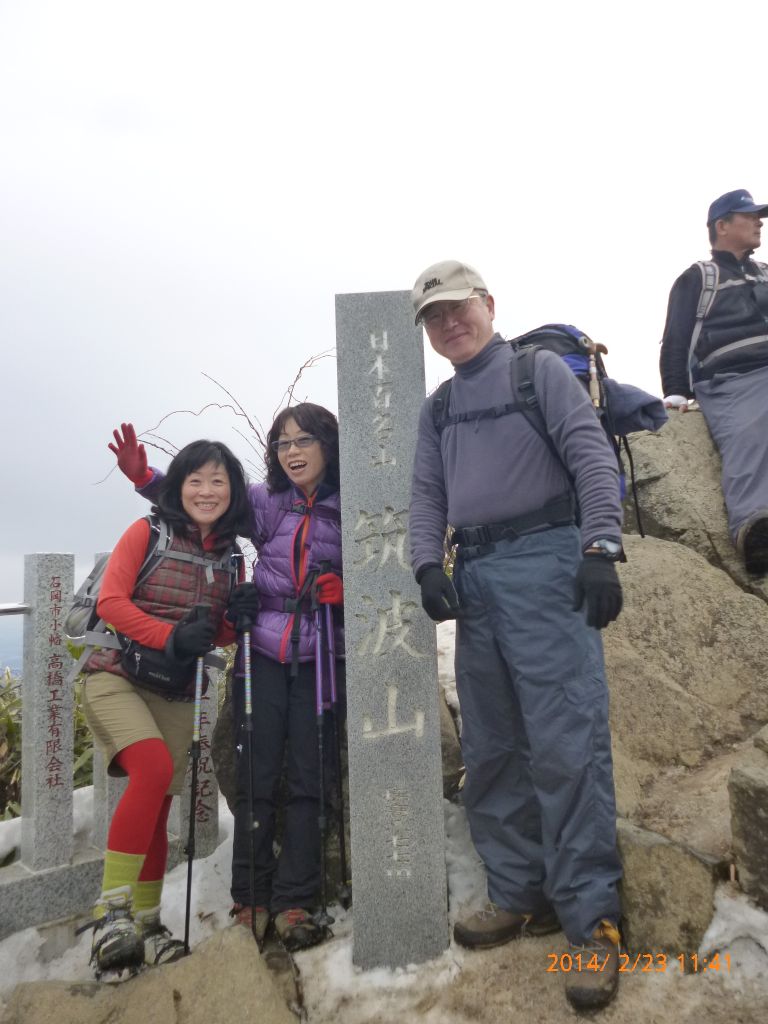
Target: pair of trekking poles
(326, 700)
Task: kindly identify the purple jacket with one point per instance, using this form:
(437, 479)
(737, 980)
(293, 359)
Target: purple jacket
(292, 536)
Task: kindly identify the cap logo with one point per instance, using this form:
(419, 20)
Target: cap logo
(433, 282)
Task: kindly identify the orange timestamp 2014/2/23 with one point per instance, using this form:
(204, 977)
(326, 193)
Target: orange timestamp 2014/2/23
(642, 963)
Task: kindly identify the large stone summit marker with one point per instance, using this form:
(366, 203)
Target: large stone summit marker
(397, 833)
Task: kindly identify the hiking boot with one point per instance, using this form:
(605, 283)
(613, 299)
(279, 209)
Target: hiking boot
(160, 947)
(297, 929)
(118, 943)
(493, 926)
(255, 919)
(752, 544)
(594, 979)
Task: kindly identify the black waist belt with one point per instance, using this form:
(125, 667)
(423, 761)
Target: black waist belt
(559, 512)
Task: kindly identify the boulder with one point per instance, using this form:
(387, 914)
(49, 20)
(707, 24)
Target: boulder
(686, 661)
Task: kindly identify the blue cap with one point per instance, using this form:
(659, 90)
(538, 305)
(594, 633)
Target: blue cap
(739, 201)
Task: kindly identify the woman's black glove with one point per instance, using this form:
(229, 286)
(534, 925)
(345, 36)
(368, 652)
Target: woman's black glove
(193, 639)
(244, 603)
(597, 585)
(438, 594)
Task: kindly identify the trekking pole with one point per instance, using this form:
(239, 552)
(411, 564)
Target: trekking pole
(323, 918)
(244, 624)
(594, 381)
(344, 891)
(200, 611)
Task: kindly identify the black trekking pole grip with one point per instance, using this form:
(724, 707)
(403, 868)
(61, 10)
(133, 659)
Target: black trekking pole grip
(243, 623)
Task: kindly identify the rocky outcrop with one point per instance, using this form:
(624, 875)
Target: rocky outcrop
(688, 671)
(687, 666)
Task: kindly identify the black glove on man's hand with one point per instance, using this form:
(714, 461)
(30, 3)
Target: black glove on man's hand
(597, 584)
(193, 639)
(438, 594)
(244, 603)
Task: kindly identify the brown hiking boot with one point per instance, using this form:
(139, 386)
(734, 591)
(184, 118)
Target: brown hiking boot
(296, 929)
(592, 982)
(493, 926)
(752, 544)
(255, 919)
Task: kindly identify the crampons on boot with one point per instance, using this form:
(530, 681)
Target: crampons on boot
(160, 947)
(118, 942)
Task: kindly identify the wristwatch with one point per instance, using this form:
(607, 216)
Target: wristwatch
(609, 549)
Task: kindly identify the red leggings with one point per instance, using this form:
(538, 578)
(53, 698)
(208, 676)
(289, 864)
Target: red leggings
(139, 824)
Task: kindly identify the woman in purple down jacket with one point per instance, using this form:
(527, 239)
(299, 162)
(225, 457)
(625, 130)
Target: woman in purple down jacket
(296, 530)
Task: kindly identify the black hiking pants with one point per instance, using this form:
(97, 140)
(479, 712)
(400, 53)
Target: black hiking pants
(285, 742)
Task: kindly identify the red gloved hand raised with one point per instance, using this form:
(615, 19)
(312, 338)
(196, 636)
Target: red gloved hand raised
(330, 588)
(131, 457)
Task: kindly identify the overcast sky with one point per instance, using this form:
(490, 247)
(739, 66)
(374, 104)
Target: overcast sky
(184, 187)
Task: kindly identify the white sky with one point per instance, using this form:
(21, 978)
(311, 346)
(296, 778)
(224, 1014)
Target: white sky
(184, 187)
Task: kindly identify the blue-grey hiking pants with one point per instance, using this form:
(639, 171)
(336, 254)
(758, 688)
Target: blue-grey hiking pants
(537, 748)
(736, 412)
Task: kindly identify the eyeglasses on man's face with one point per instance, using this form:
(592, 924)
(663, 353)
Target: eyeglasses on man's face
(303, 441)
(433, 317)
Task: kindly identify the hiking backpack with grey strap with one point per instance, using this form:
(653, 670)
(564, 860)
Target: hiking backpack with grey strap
(620, 408)
(84, 628)
(710, 285)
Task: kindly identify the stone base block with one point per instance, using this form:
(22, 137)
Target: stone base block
(667, 892)
(748, 795)
(30, 898)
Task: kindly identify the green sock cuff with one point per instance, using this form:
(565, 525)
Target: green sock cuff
(121, 869)
(146, 895)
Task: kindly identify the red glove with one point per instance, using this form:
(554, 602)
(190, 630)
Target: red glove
(131, 457)
(330, 588)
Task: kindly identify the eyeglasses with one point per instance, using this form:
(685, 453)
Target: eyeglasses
(435, 317)
(301, 442)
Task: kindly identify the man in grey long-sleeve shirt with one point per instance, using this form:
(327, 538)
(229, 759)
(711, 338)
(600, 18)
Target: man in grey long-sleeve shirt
(531, 591)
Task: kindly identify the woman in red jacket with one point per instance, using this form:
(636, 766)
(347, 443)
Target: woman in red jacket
(144, 726)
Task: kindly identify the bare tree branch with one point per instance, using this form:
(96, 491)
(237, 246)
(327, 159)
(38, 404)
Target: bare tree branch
(288, 394)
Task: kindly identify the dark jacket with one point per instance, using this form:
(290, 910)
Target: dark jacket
(734, 334)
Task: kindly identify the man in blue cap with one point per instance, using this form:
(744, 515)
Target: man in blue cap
(715, 348)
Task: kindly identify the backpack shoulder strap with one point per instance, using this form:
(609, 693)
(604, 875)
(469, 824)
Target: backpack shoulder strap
(710, 279)
(440, 401)
(160, 537)
(523, 381)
